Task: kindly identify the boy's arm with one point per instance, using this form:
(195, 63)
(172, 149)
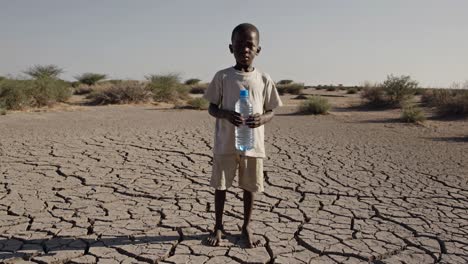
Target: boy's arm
(258, 120)
(232, 116)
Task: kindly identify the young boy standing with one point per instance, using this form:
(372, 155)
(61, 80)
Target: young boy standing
(223, 93)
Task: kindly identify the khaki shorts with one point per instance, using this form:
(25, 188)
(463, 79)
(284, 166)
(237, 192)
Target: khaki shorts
(250, 172)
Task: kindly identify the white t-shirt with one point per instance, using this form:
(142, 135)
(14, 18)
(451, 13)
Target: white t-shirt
(224, 91)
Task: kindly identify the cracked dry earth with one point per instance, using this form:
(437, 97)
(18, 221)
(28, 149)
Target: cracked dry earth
(129, 184)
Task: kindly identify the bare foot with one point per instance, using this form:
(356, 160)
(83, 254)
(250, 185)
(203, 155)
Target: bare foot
(252, 241)
(215, 238)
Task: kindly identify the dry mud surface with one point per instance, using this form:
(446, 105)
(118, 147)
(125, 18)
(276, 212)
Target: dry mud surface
(129, 184)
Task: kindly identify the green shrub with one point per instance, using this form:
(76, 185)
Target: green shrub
(121, 93)
(46, 91)
(295, 88)
(412, 114)
(14, 94)
(192, 81)
(291, 88)
(198, 88)
(44, 71)
(315, 105)
(18, 94)
(399, 90)
(352, 91)
(167, 88)
(3, 110)
(285, 82)
(198, 103)
(331, 88)
(90, 78)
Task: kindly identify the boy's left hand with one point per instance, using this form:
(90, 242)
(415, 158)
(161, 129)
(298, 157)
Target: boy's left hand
(254, 121)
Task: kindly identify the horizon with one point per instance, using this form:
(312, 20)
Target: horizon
(314, 43)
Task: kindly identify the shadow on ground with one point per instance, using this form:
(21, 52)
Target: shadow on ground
(451, 139)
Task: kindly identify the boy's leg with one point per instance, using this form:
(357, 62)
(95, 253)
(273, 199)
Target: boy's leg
(224, 171)
(220, 198)
(251, 181)
(249, 198)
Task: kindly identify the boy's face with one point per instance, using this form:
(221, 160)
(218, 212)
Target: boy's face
(245, 47)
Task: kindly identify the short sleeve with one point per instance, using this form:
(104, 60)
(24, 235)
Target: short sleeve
(272, 99)
(213, 92)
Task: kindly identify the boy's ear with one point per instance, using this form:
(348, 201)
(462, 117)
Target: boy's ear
(230, 48)
(259, 49)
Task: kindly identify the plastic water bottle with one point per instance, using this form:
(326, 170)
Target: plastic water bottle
(244, 134)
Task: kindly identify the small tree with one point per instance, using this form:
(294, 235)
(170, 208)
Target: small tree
(44, 71)
(399, 89)
(167, 88)
(192, 81)
(90, 78)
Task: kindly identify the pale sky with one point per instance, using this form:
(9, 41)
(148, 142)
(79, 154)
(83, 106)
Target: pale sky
(315, 42)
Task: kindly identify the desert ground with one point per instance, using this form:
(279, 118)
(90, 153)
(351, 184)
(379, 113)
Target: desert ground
(129, 184)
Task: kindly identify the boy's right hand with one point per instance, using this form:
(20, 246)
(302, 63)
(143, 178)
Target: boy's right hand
(233, 117)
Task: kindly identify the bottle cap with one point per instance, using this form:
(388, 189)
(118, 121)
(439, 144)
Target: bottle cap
(244, 93)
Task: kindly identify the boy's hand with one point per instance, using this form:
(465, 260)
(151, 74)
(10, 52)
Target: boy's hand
(255, 120)
(233, 117)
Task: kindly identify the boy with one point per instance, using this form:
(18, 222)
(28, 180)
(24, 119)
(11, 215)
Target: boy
(223, 93)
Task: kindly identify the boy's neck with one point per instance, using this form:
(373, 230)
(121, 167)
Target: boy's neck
(244, 68)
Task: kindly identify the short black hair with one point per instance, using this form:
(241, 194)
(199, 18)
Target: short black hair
(245, 27)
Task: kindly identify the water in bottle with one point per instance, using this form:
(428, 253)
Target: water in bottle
(244, 134)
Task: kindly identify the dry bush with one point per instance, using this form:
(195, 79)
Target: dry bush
(121, 93)
(352, 91)
(283, 82)
(82, 89)
(198, 103)
(315, 105)
(192, 81)
(412, 114)
(454, 105)
(374, 96)
(167, 88)
(395, 91)
(291, 88)
(447, 102)
(198, 88)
